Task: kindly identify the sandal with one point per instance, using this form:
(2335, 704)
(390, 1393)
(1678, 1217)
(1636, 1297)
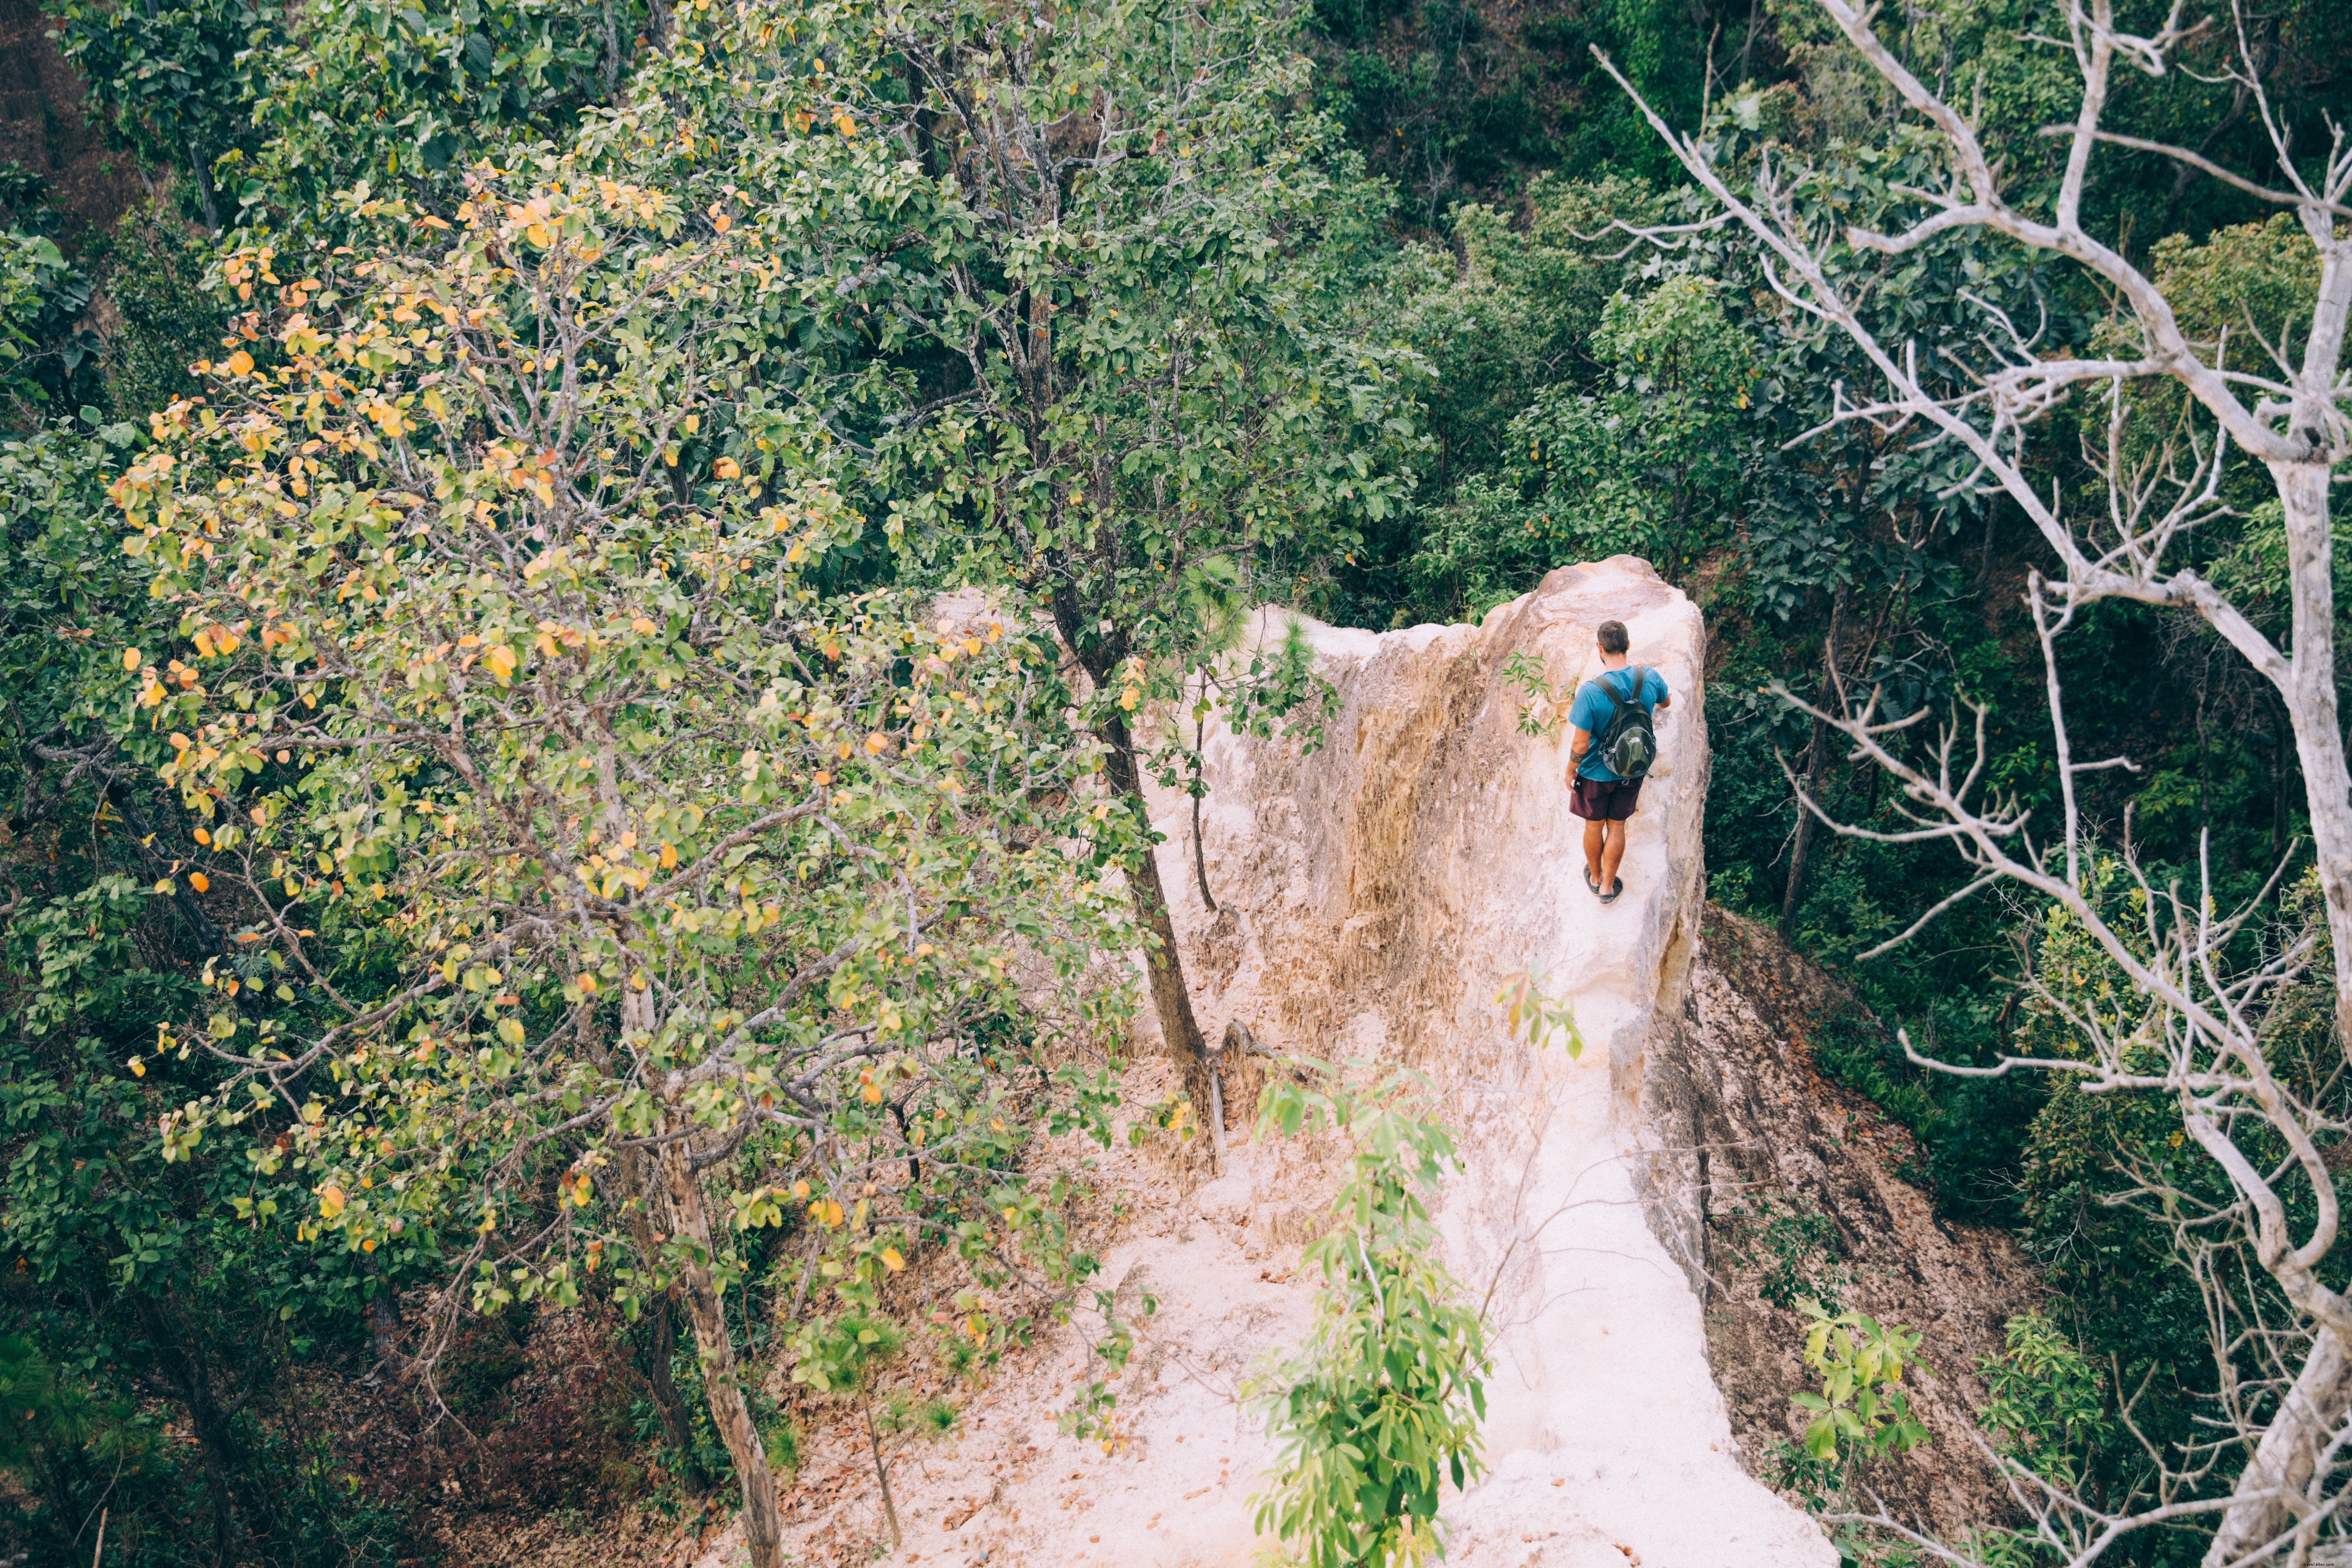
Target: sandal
(1616, 886)
(1591, 881)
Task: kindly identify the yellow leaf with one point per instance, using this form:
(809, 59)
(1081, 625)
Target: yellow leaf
(727, 469)
(500, 662)
(130, 658)
(537, 234)
(891, 1260)
(668, 856)
(843, 124)
(137, 1068)
(331, 1201)
(240, 364)
(876, 744)
(199, 881)
(641, 627)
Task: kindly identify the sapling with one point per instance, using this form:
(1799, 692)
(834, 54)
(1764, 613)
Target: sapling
(839, 1357)
(1385, 1399)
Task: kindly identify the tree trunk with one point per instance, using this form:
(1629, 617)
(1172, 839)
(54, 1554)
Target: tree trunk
(630, 1196)
(224, 1455)
(882, 1475)
(2311, 706)
(654, 1352)
(2323, 1391)
(722, 1375)
(1169, 999)
(202, 171)
(1817, 757)
(2283, 1463)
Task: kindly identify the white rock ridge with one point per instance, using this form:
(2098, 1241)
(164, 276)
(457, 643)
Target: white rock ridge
(1372, 896)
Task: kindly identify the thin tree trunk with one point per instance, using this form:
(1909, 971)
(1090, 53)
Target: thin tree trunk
(383, 1315)
(629, 1194)
(882, 1474)
(1816, 766)
(203, 174)
(722, 1375)
(1169, 999)
(224, 1455)
(653, 1353)
(1200, 763)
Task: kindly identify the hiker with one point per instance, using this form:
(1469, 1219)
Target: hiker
(1611, 745)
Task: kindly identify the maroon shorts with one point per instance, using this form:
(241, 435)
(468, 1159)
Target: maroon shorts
(1603, 800)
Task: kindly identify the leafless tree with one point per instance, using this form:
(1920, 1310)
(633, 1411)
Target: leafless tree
(2199, 1020)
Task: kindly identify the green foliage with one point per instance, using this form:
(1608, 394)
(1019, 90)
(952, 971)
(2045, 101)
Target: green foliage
(166, 81)
(1860, 1411)
(1383, 1405)
(1528, 1009)
(839, 1355)
(43, 349)
(1793, 1247)
(2046, 1402)
(167, 314)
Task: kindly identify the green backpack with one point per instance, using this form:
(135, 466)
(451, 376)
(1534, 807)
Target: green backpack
(1627, 743)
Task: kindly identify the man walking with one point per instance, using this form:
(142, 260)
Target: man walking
(1610, 720)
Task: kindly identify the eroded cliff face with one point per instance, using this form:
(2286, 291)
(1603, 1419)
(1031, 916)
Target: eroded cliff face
(1373, 894)
(1751, 1134)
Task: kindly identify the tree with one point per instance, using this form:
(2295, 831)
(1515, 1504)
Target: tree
(1145, 398)
(2191, 1020)
(1382, 1406)
(578, 844)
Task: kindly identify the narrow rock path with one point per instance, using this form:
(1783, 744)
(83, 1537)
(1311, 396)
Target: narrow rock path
(1372, 891)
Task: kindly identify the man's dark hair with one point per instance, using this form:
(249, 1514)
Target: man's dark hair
(1614, 639)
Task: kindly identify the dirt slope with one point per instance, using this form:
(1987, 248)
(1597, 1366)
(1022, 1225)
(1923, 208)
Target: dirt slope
(1733, 1075)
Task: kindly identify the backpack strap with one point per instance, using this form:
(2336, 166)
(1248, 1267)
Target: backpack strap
(1617, 704)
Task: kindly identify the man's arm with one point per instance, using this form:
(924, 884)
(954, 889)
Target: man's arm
(1578, 741)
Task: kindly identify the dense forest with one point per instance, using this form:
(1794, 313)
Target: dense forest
(496, 826)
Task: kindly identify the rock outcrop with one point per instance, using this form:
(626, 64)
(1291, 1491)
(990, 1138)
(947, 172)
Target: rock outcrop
(1372, 893)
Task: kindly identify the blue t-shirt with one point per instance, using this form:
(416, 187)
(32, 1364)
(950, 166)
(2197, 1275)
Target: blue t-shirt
(1593, 710)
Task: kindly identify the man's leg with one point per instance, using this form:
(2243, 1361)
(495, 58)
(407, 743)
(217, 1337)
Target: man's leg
(1595, 851)
(1612, 854)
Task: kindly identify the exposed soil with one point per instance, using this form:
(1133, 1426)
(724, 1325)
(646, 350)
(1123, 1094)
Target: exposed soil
(41, 125)
(1734, 1086)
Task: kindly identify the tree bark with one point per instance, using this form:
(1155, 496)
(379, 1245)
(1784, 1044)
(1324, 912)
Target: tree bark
(2311, 706)
(2270, 1487)
(722, 1375)
(1817, 756)
(1169, 999)
(882, 1475)
(2284, 1461)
